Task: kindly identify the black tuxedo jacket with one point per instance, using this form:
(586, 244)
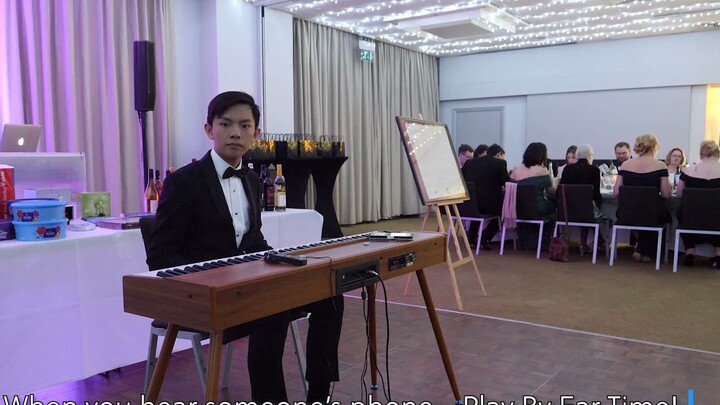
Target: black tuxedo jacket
(193, 222)
(583, 172)
(489, 175)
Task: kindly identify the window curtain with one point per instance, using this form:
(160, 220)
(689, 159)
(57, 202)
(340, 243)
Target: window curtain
(68, 66)
(337, 93)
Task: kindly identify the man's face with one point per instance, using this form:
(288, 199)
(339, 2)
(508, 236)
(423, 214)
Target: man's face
(233, 133)
(622, 153)
(464, 157)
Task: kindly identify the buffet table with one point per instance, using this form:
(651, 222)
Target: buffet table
(61, 306)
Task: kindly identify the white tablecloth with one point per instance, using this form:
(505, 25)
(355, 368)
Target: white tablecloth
(61, 306)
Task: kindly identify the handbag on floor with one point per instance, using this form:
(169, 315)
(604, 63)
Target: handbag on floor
(559, 246)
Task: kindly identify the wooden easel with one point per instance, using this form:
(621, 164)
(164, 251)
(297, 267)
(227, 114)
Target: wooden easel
(456, 232)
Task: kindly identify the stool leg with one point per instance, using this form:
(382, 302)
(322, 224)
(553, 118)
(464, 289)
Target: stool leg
(300, 353)
(197, 352)
(595, 243)
(659, 249)
(502, 240)
(667, 243)
(677, 246)
(226, 367)
(151, 359)
(539, 246)
(612, 246)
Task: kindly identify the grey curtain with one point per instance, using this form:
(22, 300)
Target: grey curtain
(337, 93)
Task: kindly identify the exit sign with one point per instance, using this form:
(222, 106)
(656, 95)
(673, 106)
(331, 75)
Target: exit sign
(367, 56)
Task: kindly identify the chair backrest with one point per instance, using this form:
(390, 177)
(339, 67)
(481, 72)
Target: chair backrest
(700, 209)
(526, 202)
(638, 206)
(469, 208)
(579, 200)
(147, 224)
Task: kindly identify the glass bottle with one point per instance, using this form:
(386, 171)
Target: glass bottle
(280, 196)
(269, 189)
(263, 175)
(158, 183)
(151, 196)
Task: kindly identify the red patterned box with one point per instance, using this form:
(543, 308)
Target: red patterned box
(7, 190)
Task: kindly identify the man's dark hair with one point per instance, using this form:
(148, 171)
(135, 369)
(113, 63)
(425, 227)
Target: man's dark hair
(465, 148)
(622, 144)
(535, 154)
(482, 148)
(224, 101)
(494, 149)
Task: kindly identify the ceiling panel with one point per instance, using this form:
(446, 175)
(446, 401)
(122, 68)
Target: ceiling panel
(447, 27)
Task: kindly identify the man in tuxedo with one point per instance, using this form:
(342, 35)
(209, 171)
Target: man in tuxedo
(489, 173)
(209, 210)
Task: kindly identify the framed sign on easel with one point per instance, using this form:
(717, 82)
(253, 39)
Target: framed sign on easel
(440, 184)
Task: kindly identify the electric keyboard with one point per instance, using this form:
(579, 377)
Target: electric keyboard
(214, 295)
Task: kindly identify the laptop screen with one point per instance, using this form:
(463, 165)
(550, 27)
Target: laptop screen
(20, 138)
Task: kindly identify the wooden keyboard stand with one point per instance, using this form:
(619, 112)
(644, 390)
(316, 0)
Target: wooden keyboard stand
(216, 299)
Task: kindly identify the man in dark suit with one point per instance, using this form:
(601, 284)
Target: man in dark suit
(489, 173)
(208, 210)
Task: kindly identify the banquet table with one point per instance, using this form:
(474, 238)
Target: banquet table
(61, 305)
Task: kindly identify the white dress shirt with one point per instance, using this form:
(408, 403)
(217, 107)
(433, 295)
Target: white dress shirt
(235, 197)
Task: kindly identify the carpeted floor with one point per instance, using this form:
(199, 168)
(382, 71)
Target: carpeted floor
(630, 300)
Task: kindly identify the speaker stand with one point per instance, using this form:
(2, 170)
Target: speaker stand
(142, 117)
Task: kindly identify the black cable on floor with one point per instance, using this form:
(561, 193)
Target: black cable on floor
(386, 391)
(363, 386)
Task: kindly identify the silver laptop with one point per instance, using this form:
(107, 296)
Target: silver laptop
(20, 138)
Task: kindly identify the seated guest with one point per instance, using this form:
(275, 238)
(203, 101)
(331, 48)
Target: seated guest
(646, 170)
(622, 153)
(489, 173)
(534, 172)
(209, 210)
(583, 172)
(465, 152)
(481, 150)
(675, 161)
(570, 159)
(705, 174)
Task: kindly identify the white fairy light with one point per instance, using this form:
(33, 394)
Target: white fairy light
(549, 22)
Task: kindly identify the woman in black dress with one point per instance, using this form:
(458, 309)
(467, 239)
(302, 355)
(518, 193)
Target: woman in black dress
(705, 174)
(646, 170)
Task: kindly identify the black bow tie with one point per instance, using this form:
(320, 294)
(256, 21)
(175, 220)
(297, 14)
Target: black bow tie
(230, 172)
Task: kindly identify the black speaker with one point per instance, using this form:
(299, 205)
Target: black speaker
(144, 62)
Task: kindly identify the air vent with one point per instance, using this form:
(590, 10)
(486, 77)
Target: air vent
(458, 30)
